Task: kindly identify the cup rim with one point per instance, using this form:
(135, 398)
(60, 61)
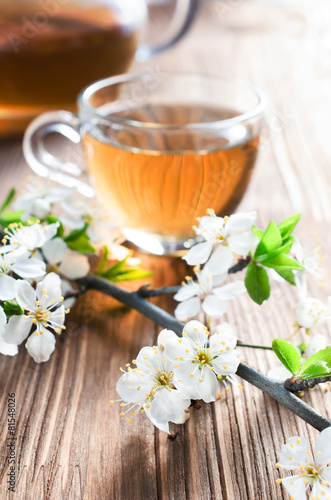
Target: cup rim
(255, 112)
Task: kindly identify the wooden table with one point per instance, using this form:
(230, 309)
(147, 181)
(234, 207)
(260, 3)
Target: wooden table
(71, 444)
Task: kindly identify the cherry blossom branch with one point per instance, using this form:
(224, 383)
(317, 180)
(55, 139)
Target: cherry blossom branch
(254, 346)
(293, 385)
(276, 390)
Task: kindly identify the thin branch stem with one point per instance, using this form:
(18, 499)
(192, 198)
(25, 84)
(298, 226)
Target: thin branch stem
(293, 385)
(166, 320)
(253, 346)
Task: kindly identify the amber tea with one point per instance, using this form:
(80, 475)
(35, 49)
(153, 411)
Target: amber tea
(161, 181)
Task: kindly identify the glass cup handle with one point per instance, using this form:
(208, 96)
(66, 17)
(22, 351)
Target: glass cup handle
(44, 163)
(183, 17)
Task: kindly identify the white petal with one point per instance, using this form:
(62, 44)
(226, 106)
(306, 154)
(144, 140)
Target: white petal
(167, 406)
(320, 492)
(226, 364)
(187, 391)
(295, 487)
(72, 222)
(326, 475)
(317, 343)
(208, 387)
(196, 331)
(164, 336)
(223, 337)
(175, 347)
(3, 319)
(74, 266)
(52, 284)
(231, 290)
(55, 250)
(162, 427)
(186, 292)
(240, 221)
(279, 374)
(132, 387)
(30, 268)
(7, 349)
(41, 208)
(188, 309)
(187, 374)
(220, 260)
(50, 231)
(17, 329)
(7, 287)
(214, 307)
(199, 253)
(96, 233)
(57, 319)
(294, 453)
(241, 244)
(41, 346)
(310, 312)
(25, 295)
(323, 447)
(151, 360)
(301, 284)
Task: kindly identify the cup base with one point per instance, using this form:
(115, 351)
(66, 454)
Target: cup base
(152, 244)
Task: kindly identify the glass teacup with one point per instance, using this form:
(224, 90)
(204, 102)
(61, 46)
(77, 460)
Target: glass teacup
(160, 149)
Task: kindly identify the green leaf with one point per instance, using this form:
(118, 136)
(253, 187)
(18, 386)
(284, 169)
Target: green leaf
(128, 275)
(7, 218)
(283, 263)
(270, 241)
(316, 370)
(287, 354)
(286, 227)
(258, 232)
(81, 244)
(285, 248)
(103, 260)
(323, 355)
(9, 199)
(51, 219)
(287, 275)
(76, 234)
(12, 308)
(257, 283)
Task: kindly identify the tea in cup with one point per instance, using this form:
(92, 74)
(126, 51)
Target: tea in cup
(160, 150)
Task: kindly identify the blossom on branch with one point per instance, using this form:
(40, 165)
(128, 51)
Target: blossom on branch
(314, 475)
(29, 237)
(19, 263)
(43, 309)
(201, 360)
(70, 264)
(149, 387)
(227, 236)
(206, 294)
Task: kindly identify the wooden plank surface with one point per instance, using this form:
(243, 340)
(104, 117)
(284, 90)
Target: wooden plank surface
(71, 444)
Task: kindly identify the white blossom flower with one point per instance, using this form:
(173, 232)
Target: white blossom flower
(72, 265)
(309, 256)
(37, 198)
(314, 474)
(229, 235)
(18, 262)
(80, 211)
(199, 361)
(206, 294)
(29, 237)
(317, 343)
(7, 349)
(310, 312)
(42, 310)
(150, 387)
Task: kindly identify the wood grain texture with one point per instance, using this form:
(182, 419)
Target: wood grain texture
(71, 444)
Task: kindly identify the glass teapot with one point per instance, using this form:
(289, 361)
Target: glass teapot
(51, 49)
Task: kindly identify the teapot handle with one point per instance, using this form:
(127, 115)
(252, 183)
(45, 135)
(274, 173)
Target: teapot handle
(183, 17)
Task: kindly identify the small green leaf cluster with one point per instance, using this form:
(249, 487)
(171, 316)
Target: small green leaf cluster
(119, 271)
(318, 365)
(271, 252)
